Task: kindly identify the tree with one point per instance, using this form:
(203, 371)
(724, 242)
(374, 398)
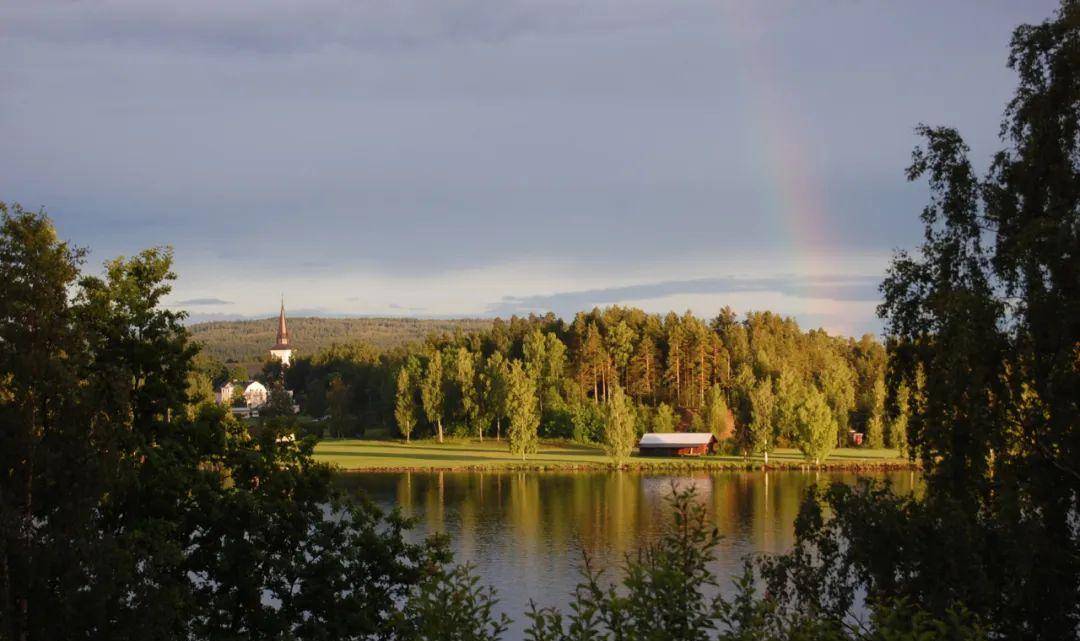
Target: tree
(620, 345)
(790, 393)
(642, 370)
(620, 432)
(742, 390)
(545, 361)
(238, 399)
(279, 403)
(405, 403)
(700, 353)
(983, 329)
(433, 394)
(124, 516)
(494, 387)
(663, 419)
(523, 411)
(837, 383)
(38, 358)
(898, 438)
(337, 400)
(314, 398)
(593, 359)
(715, 417)
(763, 410)
(817, 426)
(588, 421)
(875, 422)
(200, 391)
(236, 372)
(983, 324)
(464, 379)
(674, 369)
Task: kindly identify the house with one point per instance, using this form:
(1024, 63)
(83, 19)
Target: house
(255, 393)
(677, 444)
(225, 393)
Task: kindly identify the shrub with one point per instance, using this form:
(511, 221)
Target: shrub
(588, 422)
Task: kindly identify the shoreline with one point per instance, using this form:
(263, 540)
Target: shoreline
(354, 456)
(672, 467)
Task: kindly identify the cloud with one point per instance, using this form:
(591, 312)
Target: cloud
(194, 302)
(665, 153)
(277, 26)
(395, 307)
(196, 318)
(412, 311)
(839, 304)
(829, 287)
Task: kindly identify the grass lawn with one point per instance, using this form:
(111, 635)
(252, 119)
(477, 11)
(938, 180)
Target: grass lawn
(355, 454)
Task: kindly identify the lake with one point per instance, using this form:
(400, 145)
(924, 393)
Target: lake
(525, 531)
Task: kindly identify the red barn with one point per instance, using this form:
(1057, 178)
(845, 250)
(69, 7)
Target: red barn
(677, 444)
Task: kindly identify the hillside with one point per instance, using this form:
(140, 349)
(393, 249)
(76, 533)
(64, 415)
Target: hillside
(247, 341)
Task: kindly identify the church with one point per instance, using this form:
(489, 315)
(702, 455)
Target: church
(281, 349)
(255, 393)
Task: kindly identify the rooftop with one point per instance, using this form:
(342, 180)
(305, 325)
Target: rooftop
(676, 439)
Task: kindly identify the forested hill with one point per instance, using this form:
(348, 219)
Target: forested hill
(247, 341)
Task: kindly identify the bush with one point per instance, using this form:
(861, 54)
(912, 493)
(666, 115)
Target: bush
(588, 421)
(459, 430)
(663, 419)
(557, 423)
(310, 427)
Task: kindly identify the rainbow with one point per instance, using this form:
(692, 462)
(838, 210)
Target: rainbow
(792, 188)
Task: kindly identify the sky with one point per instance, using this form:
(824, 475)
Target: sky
(474, 158)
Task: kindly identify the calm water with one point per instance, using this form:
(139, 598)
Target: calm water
(525, 532)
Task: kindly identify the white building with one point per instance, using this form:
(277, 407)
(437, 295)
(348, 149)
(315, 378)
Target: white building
(281, 349)
(255, 393)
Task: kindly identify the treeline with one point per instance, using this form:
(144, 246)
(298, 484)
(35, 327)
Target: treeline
(757, 382)
(245, 342)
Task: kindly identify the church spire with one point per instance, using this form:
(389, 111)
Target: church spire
(281, 350)
(282, 331)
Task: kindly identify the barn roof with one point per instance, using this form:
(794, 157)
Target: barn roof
(676, 439)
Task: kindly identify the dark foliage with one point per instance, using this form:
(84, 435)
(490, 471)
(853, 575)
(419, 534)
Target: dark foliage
(984, 327)
(126, 513)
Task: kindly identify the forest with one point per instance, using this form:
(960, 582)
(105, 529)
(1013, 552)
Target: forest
(758, 382)
(244, 342)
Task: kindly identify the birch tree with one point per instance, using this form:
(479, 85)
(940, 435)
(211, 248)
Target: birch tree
(523, 411)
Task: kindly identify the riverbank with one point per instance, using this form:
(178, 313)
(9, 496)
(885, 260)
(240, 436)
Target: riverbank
(467, 455)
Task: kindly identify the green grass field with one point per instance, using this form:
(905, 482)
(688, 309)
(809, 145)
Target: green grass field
(354, 454)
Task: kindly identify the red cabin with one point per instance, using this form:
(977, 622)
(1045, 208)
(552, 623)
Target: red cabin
(677, 444)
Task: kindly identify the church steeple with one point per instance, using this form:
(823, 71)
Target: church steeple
(281, 349)
(282, 331)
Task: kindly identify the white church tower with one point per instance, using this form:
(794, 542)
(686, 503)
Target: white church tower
(281, 349)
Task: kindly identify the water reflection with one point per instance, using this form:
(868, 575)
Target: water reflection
(525, 531)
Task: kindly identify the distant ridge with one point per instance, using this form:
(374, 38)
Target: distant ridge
(247, 341)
